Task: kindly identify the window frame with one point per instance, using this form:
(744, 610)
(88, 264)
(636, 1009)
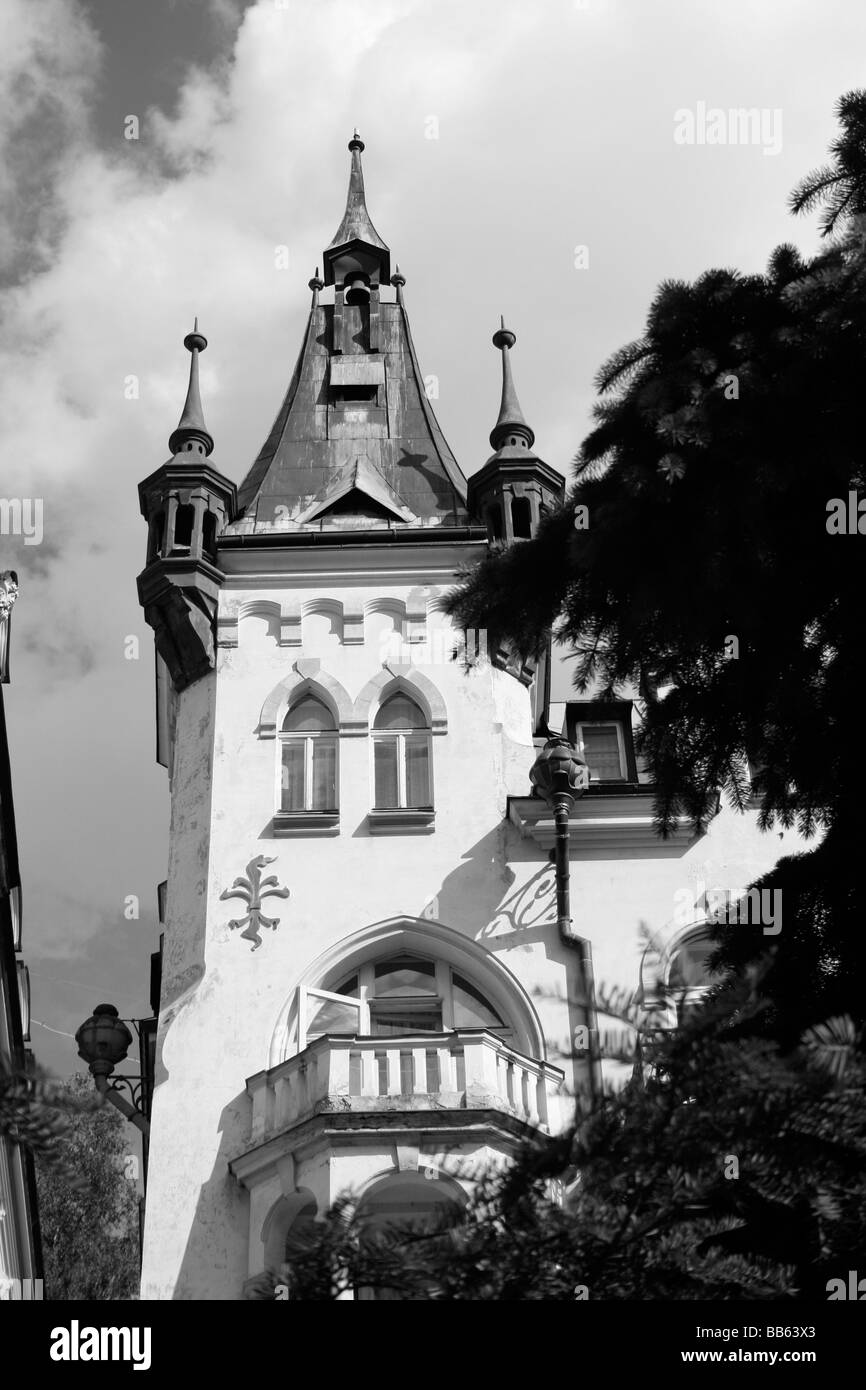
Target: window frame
(367, 1004)
(307, 818)
(402, 816)
(618, 713)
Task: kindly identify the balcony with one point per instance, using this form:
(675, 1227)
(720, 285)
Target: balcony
(469, 1069)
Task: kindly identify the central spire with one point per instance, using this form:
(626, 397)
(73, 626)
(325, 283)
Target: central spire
(356, 245)
(511, 421)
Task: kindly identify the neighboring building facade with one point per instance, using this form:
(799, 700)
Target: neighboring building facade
(363, 982)
(20, 1254)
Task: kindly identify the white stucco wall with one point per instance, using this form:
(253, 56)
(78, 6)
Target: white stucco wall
(222, 1000)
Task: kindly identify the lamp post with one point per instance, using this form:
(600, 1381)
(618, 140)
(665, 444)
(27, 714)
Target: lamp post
(560, 775)
(103, 1042)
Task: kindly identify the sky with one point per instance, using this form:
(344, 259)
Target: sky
(529, 160)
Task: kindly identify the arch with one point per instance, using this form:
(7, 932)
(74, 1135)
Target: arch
(332, 610)
(258, 608)
(261, 608)
(447, 1186)
(305, 675)
(278, 1223)
(414, 682)
(656, 964)
(428, 938)
(331, 607)
(395, 607)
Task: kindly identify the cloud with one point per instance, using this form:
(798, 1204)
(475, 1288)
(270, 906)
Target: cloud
(552, 127)
(50, 57)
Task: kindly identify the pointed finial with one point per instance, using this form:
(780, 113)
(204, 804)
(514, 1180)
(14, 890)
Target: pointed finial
(511, 421)
(315, 285)
(398, 281)
(356, 231)
(191, 426)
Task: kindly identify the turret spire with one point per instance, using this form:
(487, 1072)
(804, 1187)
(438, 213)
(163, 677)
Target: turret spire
(511, 421)
(191, 426)
(356, 243)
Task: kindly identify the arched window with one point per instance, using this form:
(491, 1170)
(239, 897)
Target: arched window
(401, 756)
(308, 758)
(184, 521)
(400, 995)
(689, 976)
(521, 518)
(407, 1203)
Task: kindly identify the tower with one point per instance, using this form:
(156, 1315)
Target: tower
(514, 489)
(363, 986)
(186, 503)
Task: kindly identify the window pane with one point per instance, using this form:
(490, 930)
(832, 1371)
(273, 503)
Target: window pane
(404, 977)
(601, 751)
(324, 774)
(307, 716)
(471, 1009)
(392, 1024)
(399, 712)
(689, 966)
(331, 1017)
(292, 798)
(418, 770)
(385, 773)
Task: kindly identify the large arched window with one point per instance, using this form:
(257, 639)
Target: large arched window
(401, 756)
(308, 758)
(397, 996)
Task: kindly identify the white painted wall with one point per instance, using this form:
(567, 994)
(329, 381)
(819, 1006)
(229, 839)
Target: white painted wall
(222, 1000)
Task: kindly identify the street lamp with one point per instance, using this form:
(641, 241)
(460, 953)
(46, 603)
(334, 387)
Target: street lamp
(103, 1042)
(560, 775)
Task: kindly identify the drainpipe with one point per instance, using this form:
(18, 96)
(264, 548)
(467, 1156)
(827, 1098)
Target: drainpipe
(560, 775)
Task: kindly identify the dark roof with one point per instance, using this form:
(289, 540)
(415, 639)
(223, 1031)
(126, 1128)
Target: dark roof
(318, 437)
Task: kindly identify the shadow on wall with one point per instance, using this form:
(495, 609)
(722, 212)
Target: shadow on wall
(215, 1260)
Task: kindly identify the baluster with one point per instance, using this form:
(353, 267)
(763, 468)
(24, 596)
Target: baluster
(392, 1059)
(369, 1072)
(419, 1067)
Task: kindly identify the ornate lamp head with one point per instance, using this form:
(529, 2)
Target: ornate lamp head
(559, 770)
(103, 1040)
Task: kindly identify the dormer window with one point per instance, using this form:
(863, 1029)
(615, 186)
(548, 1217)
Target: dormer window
(356, 380)
(344, 395)
(602, 734)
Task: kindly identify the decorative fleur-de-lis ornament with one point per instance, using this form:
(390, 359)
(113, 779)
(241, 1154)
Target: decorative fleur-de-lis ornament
(253, 889)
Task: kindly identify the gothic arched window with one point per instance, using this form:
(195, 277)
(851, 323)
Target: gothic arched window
(308, 757)
(396, 996)
(401, 756)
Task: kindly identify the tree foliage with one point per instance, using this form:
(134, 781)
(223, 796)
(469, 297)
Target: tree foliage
(720, 439)
(726, 1169)
(88, 1207)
